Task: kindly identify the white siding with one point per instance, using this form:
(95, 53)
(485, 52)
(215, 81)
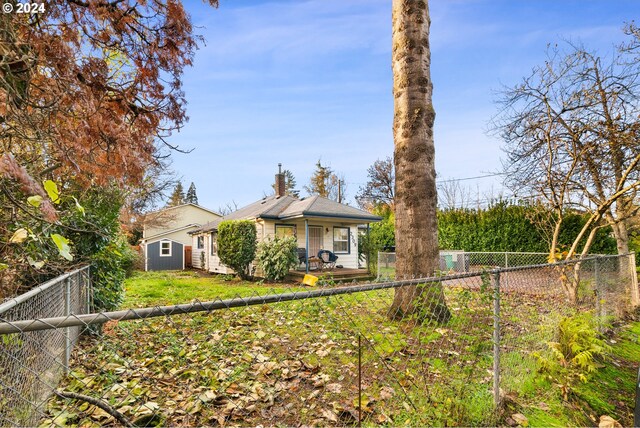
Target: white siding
(174, 218)
(346, 260)
(196, 254)
(266, 230)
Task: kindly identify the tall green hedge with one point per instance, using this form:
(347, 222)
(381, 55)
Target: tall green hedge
(508, 227)
(237, 240)
(500, 227)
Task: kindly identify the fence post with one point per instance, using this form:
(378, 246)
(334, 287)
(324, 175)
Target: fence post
(598, 290)
(86, 288)
(635, 297)
(636, 412)
(495, 279)
(67, 331)
(506, 265)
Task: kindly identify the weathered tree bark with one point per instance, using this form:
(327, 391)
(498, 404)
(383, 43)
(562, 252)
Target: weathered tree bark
(621, 234)
(415, 187)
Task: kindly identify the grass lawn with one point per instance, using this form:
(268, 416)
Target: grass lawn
(174, 287)
(296, 363)
(609, 391)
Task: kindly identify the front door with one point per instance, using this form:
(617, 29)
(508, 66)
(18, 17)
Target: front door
(315, 240)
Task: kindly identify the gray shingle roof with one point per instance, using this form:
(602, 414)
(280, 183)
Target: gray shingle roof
(289, 207)
(317, 206)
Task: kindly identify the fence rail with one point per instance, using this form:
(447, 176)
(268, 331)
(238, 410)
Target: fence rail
(455, 261)
(332, 356)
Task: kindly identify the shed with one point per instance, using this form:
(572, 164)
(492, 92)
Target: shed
(164, 254)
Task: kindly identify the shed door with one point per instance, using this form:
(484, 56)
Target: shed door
(315, 240)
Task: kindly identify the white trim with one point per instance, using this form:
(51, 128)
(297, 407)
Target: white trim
(213, 240)
(170, 249)
(333, 238)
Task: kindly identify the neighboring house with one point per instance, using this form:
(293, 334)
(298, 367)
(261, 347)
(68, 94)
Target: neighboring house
(166, 243)
(317, 223)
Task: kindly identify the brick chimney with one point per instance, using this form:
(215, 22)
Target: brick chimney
(280, 188)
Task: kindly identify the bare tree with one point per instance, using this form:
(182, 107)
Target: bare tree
(379, 188)
(414, 158)
(228, 208)
(452, 195)
(571, 135)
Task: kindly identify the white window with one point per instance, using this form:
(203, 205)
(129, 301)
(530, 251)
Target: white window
(283, 230)
(200, 244)
(165, 248)
(214, 244)
(341, 240)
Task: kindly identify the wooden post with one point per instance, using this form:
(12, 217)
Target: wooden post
(306, 247)
(635, 293)
(495, 279)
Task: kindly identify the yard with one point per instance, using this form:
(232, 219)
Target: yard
(297, 363)
(174, 287)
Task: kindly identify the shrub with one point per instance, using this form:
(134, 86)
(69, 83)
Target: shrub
(277, 256)
(109, 268)
(381, 237)
(237, 245)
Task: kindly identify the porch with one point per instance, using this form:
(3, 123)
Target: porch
(338, 274)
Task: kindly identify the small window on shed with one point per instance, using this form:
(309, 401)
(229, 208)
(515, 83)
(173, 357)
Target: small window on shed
(200, 244)
(165, 249)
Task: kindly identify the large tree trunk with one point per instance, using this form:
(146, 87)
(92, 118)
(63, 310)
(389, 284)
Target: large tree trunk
(415, 187)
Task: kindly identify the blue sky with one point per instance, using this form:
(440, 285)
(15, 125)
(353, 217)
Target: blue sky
(296, 81)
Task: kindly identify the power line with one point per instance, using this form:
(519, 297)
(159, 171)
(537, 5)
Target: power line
(450, 180)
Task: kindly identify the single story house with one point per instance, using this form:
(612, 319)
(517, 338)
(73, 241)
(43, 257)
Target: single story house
(166, 243)
(317, 223)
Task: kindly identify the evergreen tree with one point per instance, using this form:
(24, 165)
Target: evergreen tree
(318, 184)
(289, 184)
(191, 197)
(177, 197)
(326, 183)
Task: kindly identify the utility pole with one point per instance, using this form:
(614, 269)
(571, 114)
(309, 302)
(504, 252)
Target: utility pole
(339, 191)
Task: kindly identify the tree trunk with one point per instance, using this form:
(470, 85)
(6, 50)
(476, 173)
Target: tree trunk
(621, 234)
(415, 188)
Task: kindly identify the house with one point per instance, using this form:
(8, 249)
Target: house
(317, 223)
(166, 243)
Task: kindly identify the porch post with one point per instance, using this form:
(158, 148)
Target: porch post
(306, 247)
(368, 253)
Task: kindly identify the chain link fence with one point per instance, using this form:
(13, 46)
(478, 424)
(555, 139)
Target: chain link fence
(32, 364)
(454, 261)
(446, 350)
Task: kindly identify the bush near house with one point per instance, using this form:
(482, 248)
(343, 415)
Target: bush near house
(381, 237)
(276, 256)
(237, 241)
